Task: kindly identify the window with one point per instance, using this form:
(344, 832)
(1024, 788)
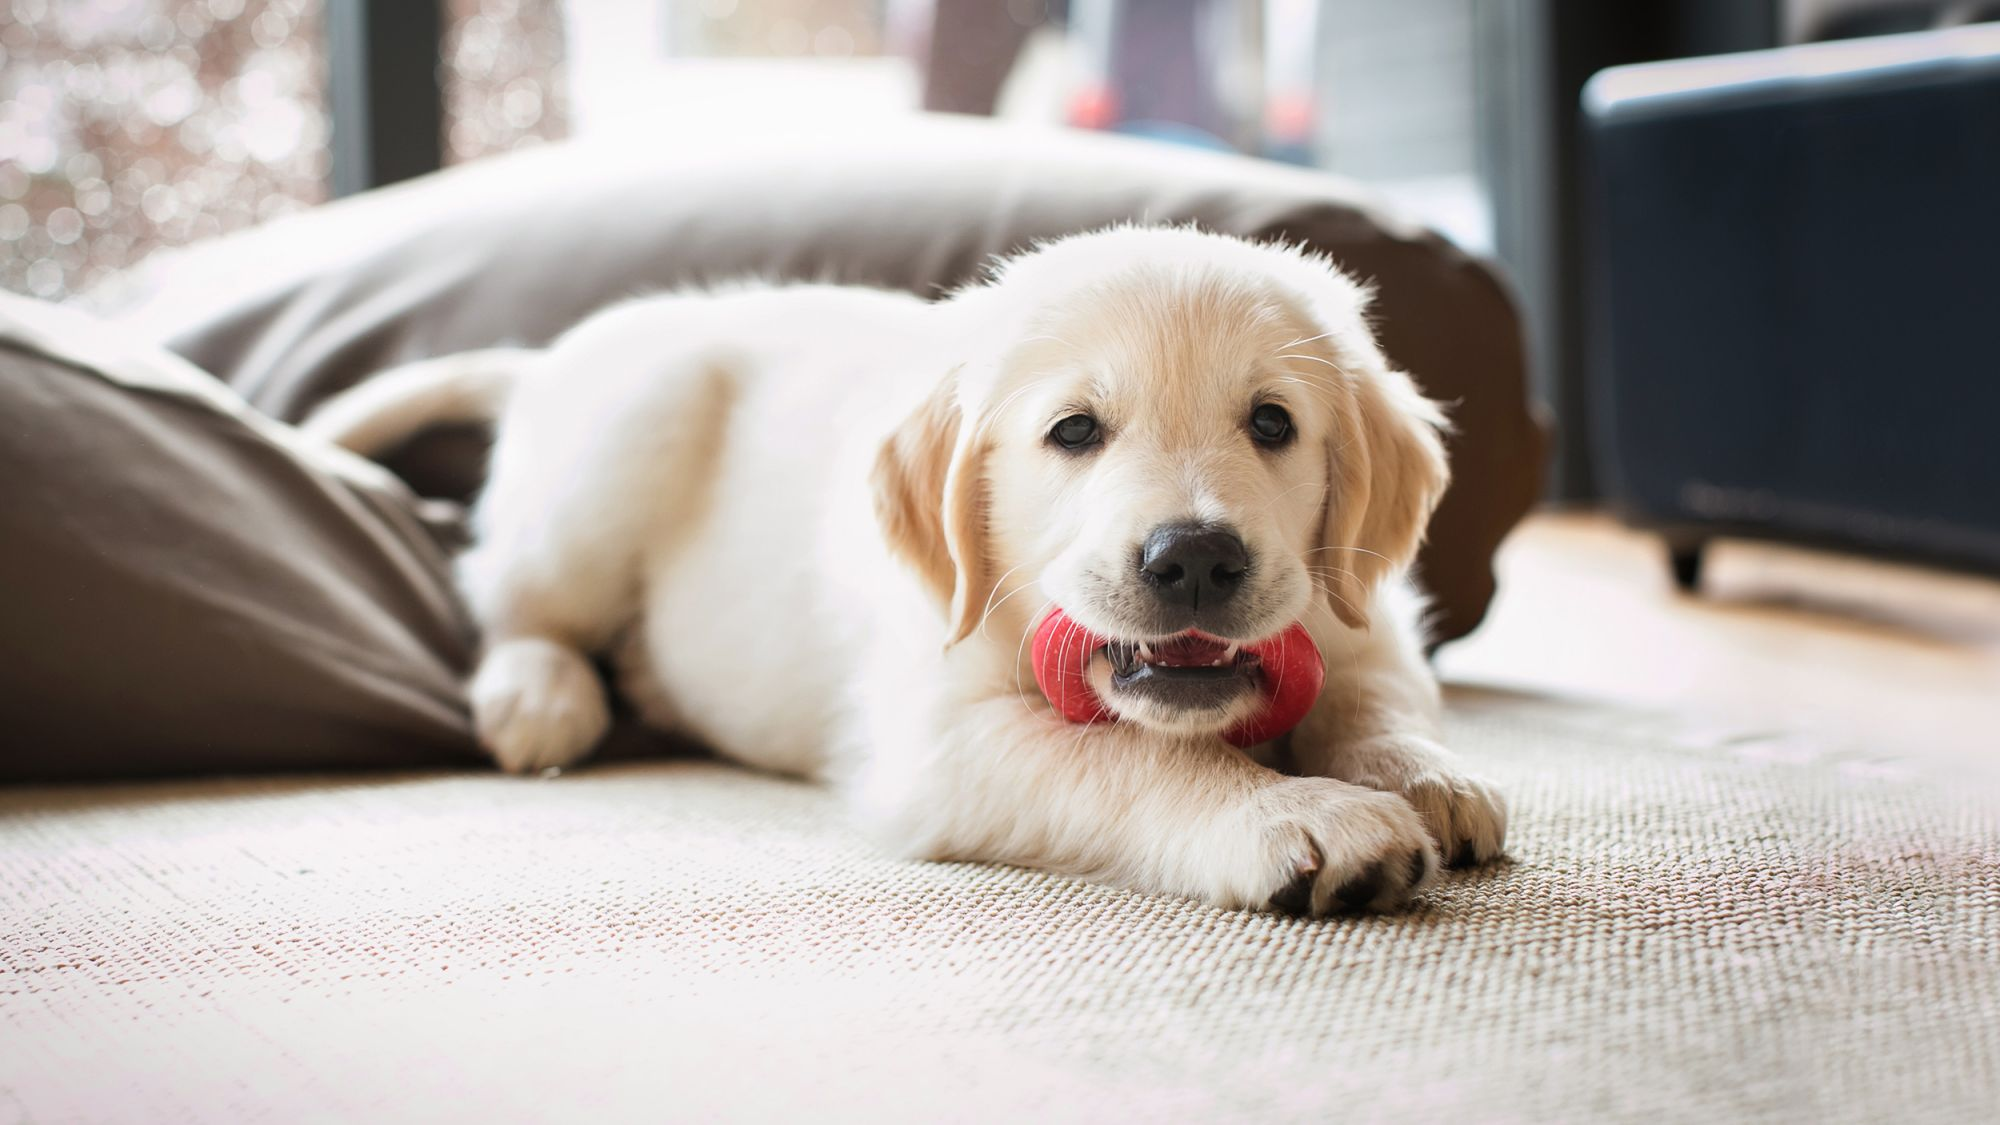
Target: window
(127, 125)
(131, 125)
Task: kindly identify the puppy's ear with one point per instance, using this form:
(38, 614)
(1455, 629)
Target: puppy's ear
(929, 500)
(1387, 462)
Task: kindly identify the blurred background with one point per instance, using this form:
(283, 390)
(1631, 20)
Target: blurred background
(127, 126)
(131, 125)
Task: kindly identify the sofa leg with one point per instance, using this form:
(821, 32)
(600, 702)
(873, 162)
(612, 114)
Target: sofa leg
(1684, 556)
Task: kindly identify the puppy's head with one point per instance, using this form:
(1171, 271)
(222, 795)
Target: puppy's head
(1182, 440)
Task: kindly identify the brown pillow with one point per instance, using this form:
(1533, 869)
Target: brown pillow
(515, 250)
(187, 585)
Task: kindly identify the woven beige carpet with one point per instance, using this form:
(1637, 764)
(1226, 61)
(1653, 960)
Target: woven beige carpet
(1687, 932)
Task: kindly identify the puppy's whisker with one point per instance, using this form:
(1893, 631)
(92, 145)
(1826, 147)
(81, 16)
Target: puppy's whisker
(1017, 393)
(1321, 389)
(1070, 629)
(1027, 632)
(1305, 340)
(1331, 593)
(1331, 573)
(1021, 689)
(998, 583)
(1358, 550)
(986, 613)
(1003, 601)
(1313, 359)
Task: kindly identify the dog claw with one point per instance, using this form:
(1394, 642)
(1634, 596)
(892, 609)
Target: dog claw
(1358, 892)
(1296, 897)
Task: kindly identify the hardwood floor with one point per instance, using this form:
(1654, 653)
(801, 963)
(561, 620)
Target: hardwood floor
(1824, 652)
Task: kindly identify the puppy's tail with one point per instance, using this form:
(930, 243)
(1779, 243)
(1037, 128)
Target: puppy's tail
(376, 416)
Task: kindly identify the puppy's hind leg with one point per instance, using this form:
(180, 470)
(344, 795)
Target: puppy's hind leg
(596, 468)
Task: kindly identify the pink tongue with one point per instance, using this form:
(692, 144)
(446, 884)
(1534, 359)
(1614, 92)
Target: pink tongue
(1190, 650)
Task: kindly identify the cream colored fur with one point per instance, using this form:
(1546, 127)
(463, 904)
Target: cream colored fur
(814, 527)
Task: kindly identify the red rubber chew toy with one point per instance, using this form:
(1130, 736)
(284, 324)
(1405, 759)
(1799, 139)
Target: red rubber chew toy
(1290, 666)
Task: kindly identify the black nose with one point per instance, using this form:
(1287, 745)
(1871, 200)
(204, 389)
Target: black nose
(1196, 565)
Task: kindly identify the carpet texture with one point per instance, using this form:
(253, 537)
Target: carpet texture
(1689, 930)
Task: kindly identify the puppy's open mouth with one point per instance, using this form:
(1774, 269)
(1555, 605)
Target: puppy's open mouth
(1190, 670)
(1188, 681)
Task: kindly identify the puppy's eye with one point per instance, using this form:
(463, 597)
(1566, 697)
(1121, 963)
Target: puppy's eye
(1270, 424)
(1076, 432)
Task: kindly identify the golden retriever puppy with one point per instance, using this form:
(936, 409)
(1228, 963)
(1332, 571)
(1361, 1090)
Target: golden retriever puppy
(815, 527)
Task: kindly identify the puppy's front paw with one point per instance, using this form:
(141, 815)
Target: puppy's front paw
(1326, 847)
(537, 705)
(1466, 814)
